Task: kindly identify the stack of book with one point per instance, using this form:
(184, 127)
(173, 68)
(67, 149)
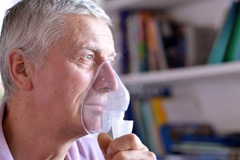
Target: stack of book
(155, 41)
(188, 138)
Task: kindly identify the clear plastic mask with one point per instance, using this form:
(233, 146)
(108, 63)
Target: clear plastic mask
(105, 102)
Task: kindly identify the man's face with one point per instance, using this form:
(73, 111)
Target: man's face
(69, 67)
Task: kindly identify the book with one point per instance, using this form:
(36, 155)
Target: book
(220, 45)
(136, 42)
(142, 48)
(156, 53)
(147, 120)
(132, 41)
(233, 50)
(138, 120)
(174, 42)
(199, 42)
(159, 119)
(129, 115)
(199, 140)
(125, 58)
(146, 125)
(204, 151)
(158, 111)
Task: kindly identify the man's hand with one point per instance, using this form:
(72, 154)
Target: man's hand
(124, 148)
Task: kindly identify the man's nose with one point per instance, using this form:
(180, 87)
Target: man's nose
(107, 78)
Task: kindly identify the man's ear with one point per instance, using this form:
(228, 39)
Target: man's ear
(20, 69)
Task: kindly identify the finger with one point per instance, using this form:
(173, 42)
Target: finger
(124, 143)
(104, 140)
(135, 155)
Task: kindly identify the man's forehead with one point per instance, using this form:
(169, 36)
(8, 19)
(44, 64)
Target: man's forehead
(87, 27)
(89, 33)
(85, 22)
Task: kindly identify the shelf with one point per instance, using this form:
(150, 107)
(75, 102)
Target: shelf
(186, 75)
(114, 5)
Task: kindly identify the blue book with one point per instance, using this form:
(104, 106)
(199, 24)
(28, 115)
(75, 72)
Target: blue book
(220, 45)
(125, 61)
(138, 127)
(165, 134)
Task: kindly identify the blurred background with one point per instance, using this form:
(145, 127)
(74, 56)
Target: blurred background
(180, 62)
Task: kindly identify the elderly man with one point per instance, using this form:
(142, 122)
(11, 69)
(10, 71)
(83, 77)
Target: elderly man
(50, 52)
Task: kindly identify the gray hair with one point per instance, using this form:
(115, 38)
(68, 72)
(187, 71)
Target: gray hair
(32, 25)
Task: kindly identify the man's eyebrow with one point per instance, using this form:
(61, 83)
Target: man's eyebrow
(98, 50)
(92, 48)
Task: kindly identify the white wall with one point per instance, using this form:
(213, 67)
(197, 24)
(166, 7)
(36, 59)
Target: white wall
(213, 100)
(4, 5)
(203, 12)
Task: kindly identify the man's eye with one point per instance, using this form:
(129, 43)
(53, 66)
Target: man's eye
(89, 57)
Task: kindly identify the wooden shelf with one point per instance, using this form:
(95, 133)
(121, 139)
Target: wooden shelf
(115, 5)
(186, 75)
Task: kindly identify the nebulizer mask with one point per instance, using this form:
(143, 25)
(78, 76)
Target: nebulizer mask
(105, 103)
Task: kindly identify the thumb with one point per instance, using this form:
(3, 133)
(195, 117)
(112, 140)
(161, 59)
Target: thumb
(103, 141)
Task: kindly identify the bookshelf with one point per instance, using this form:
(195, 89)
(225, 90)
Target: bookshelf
(188, 74)
(187, 11)
(207, 93)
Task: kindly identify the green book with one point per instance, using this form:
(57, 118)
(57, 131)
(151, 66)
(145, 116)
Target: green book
(233, 50)
(220, 45)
